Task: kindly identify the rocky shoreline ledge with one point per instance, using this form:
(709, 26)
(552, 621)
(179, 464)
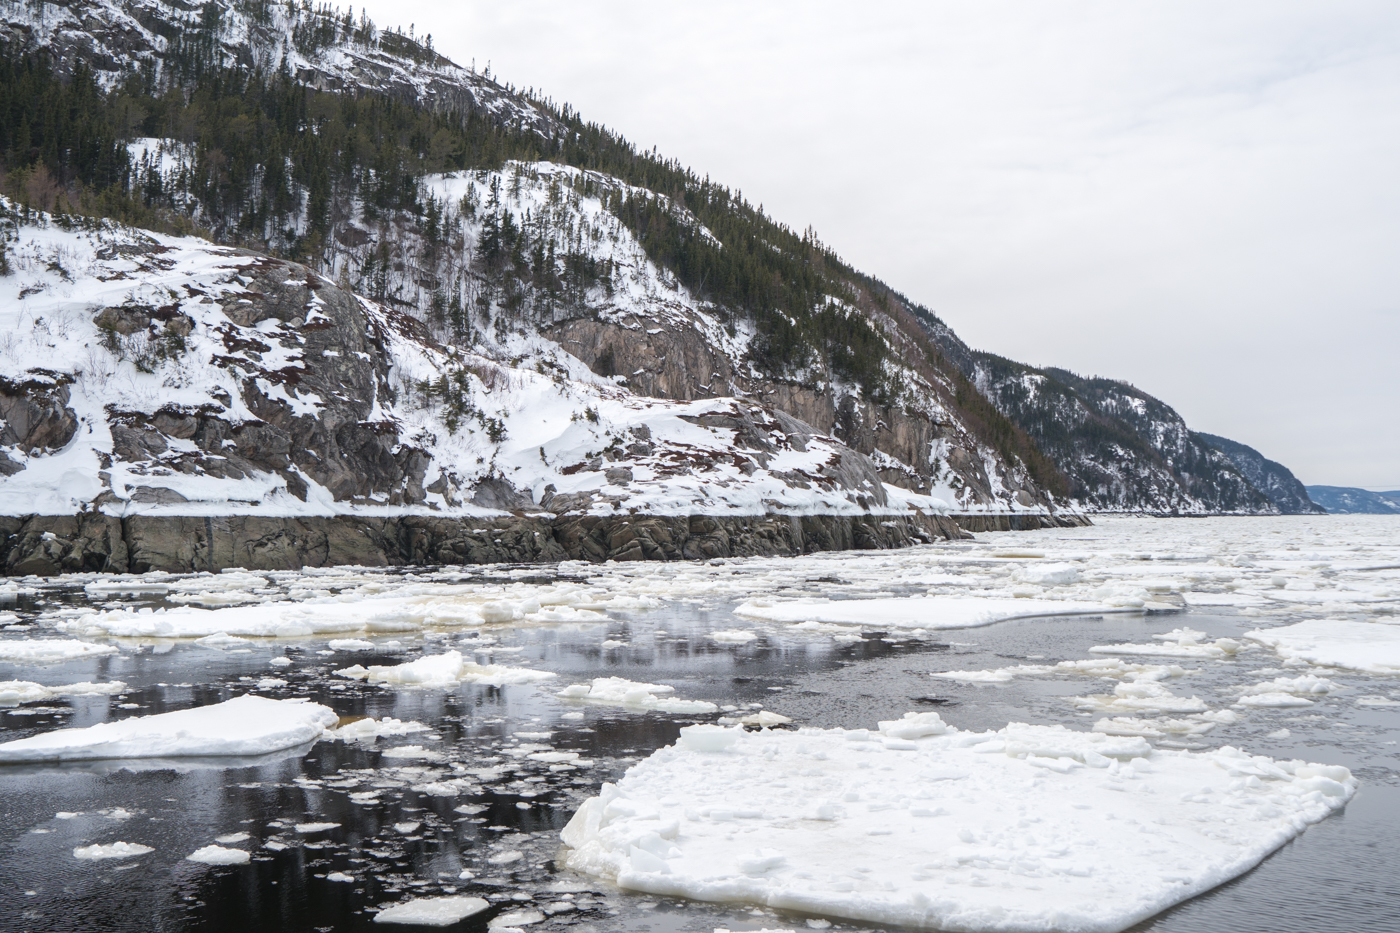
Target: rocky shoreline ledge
(92, 542)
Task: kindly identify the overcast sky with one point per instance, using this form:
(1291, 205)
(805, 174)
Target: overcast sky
(1202, 199)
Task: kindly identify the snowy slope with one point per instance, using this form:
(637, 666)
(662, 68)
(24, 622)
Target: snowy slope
(163, 375)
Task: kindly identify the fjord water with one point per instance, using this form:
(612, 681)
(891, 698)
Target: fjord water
(344, 827)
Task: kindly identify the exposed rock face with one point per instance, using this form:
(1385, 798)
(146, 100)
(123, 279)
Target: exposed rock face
(289, 335)
(36, 418)
(46, 545)
(1271, 478)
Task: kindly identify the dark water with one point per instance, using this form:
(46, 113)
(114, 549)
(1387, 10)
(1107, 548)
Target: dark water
(1340, 875)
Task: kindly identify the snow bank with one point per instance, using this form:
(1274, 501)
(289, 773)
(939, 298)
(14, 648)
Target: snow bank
(616, 691)
(935, 612)
(1372, 647)
(1026, 828)
(444, 670)
(25, 691)
(432, 911)
(246, 726)
(49, 651)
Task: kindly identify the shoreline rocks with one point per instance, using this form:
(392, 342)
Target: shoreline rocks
(46, 545)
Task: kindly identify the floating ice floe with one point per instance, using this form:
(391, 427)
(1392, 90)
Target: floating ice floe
(1153, 728)
(368, 728)
(1025, 828)
(927, 612)
(734, 636)
(1142, 696)
(1372, 647)
(111, 850)
(246, 726)
(49, 651)
(218, 855)
(361, 612)
(1178, 643)
(1283, 692)
(433, 911)
(616, 691)
(350, 644)
(24, 691)
(1001, 675)
(445, 670)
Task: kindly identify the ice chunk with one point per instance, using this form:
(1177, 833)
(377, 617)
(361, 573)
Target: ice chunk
(709, 739)
(246, 726)
(218, 855)
(1001, 843)
(616, 691)
(1142, 696)
(350, 644)
(1373, 647)
(1050, 574)
(368, 728)
(1000, 675)
(915, 726)
(1179, 643)
(111, 850)
(24, 691)
(734, 636)
(445, 670)
(931, 612)
(432, 911)
(50, 650)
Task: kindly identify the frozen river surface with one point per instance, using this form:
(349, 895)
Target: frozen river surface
(454, 722)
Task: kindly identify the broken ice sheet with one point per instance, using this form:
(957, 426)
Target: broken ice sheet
(1371, 647)
(928, 612)
(1025, 828)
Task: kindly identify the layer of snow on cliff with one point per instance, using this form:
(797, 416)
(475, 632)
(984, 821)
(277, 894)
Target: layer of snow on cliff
(917, 824)
(246, 726)
(600, 447)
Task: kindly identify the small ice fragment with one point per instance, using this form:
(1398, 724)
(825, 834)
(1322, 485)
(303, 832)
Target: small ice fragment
(307, 829)
(231, 838)
(111, 850)
(218, 855)
(339, 876)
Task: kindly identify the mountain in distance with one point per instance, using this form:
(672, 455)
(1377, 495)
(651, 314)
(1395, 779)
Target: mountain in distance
(1120, 449)
(1350, 500)
(1270, 477)
(531, 314)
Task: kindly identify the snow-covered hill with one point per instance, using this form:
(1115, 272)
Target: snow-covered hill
(162, 375)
